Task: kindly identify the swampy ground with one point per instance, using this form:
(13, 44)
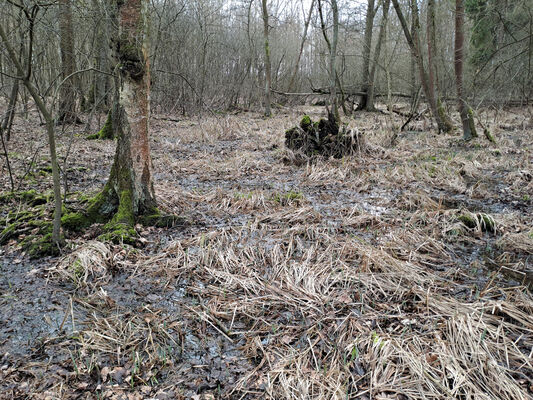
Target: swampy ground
(400, 272)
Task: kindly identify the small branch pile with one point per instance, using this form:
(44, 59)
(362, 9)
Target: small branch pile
(323, 138)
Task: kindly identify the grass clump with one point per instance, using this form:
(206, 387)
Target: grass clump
(480, 221)
(288, 197)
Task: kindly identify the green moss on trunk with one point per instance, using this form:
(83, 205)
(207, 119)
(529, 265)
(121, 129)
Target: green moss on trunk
(489, 135)
(471, 123)
(447, 124)
(107, 130)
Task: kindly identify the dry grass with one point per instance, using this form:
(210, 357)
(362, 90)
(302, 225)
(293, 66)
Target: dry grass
(329, 316)
(357, 278)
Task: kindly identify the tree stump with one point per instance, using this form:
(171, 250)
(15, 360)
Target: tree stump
(323, 137)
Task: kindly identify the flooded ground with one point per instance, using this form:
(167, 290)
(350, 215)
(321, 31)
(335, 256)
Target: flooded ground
(366, 277)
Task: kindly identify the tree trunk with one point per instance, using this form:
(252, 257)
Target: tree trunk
(101, 82)
(302, 44)
(67, 94)
(369, 106)
(10, 113)
(129, 192)
(415, 88)
(367, 47)
(413, 40)
(469, 130)
(268, 67)
(332, 48)
(50, 128)
(447, 125)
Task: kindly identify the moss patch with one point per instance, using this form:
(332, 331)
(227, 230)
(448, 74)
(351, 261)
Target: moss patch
(161, 220)
(75, 221)
(489, 135)
(484, 221)
(106, 133)
(30, 197)
(119, 233)
(306, 122)
(41, 246)
(447, 124)
(9, 232)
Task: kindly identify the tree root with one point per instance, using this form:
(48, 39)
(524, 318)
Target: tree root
(118, 217)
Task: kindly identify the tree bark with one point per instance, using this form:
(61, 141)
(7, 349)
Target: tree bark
(333, 76)
(369, 106)
(447, 125)
(367, 47)
(10, 112)
(129, 192)
(302, 44)
(268, 67)
(469, 130)
(413, 40)
(50, 127)
(67, 94)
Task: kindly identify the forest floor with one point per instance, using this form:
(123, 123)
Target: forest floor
(397, 273)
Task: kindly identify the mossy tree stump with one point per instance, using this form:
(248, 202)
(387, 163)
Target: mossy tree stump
(323, 137)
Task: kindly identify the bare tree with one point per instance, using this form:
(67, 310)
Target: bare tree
(302, 44)
(268, 66)
(369, 106)
(469, 129)
(413, 40)
(367, 47)
(25, 74)
(446, 123)
(332, 47)
(67, 96)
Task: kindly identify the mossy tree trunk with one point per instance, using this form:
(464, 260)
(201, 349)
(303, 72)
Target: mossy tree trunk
(469, 129)
(129, 192)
